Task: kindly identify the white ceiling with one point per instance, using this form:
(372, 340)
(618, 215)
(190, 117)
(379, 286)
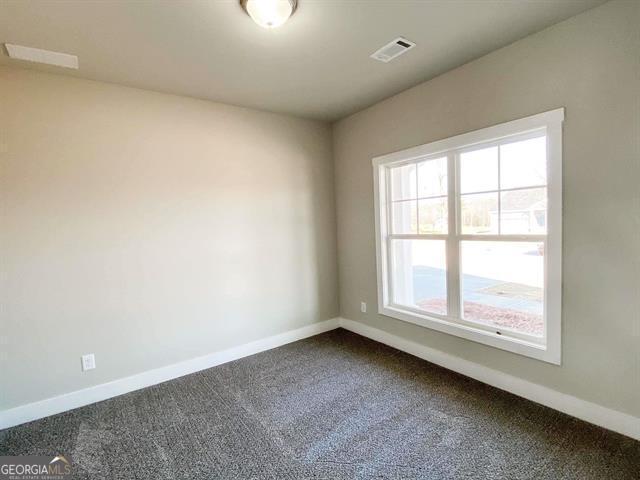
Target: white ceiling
(317, 65)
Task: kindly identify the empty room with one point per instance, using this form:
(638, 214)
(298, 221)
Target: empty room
(320, 239)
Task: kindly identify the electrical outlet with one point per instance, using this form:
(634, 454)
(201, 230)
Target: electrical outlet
(88, 362)
(363, 307)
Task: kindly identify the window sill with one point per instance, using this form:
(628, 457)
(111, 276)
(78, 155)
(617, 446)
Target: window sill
(485, 337)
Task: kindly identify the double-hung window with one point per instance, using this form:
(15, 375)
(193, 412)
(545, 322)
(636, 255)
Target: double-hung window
(469, 235)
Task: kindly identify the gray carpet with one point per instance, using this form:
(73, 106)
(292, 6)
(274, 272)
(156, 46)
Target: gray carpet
(333, 406)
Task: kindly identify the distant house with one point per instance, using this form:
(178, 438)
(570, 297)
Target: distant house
(525, 220)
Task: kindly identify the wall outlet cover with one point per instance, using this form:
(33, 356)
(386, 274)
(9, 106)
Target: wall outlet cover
(88, 362)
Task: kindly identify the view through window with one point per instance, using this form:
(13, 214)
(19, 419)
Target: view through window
(465, 235)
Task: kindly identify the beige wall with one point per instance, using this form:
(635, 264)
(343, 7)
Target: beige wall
(149, 229)
(589, 64)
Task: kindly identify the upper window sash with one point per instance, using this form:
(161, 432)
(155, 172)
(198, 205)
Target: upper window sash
(453, 156)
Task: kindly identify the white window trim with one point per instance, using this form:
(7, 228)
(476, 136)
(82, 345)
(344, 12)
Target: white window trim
(549, 348)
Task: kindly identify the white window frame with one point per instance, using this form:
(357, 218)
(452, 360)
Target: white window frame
(548, 348)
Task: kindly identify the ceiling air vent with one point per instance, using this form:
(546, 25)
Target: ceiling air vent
(393, 49)
(38, 55)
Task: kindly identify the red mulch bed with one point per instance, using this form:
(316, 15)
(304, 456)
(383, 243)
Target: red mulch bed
(500, 317)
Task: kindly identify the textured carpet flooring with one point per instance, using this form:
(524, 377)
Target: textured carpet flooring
(332, 406)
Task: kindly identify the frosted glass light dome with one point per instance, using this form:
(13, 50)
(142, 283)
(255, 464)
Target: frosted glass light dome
(269, 13)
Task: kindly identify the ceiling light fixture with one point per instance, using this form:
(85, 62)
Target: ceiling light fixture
(269, 13)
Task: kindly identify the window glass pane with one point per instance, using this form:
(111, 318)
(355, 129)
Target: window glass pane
(403, 182)
(419, 274)
(432, 178)
(405, 216)
(524, 211)
(502, 284)
(523, 164)
(432, 215)
(479, 170)
(479, 213)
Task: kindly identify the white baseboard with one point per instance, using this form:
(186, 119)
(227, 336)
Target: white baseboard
(86, 396)
(590, 412)
(587, 411)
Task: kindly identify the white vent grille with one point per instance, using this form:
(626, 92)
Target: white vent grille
(41, 56)
(393, 49)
